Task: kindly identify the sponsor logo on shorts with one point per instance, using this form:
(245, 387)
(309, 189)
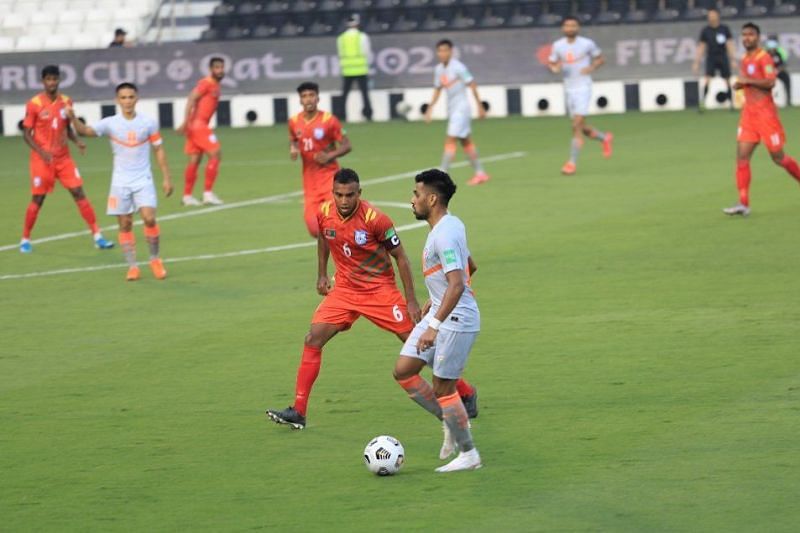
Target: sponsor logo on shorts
(330, 233)
(37, 181)
(112, 202)
(361, 237)
(319, 133)
(212, 138)
(77, 173)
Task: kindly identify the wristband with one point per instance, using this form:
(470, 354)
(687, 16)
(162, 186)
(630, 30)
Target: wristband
(434, 324)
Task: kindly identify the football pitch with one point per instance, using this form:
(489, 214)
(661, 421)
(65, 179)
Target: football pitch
(638, 366)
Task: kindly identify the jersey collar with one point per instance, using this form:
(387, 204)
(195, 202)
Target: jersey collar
(351, 215)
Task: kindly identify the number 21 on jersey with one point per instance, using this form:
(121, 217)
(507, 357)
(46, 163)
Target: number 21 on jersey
(308, 144)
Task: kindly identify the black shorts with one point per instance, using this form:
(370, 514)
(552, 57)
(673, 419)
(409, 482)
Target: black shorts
(718, 64)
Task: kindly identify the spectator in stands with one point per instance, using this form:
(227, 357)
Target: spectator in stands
(354, 53)
(119, 39)
(716, 43)
(779, 56)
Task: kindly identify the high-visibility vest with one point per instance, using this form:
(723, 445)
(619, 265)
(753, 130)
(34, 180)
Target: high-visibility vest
(352, 59)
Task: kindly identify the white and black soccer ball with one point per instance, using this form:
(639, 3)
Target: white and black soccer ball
(402, 108)
(384, 455)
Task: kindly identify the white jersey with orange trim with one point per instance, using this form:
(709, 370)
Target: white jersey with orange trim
(130, 144)
(575, 56)
(455, 78)
(446, 250)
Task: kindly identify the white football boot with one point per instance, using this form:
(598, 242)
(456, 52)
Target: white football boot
(190, 200)
(470, 460)
(738, 209)
(209, 198)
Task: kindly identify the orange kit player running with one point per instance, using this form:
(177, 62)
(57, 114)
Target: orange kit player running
(317, 137)
(46, 129)
(200, 138)
(361, 240)
(759, 121)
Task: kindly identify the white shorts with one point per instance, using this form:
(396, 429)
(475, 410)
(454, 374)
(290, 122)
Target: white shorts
(448, 356)
(128, 200)
(578, 101)
(459, 125)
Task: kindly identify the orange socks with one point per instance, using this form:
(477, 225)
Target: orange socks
(743, 177)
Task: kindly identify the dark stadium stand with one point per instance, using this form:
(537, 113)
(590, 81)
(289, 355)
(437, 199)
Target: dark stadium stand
(261, 19)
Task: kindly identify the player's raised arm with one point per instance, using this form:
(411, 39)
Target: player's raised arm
(323, 253)
(404, 268)
(82, 129)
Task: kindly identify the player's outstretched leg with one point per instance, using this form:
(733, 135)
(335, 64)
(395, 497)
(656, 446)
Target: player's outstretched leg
(471, 150)
(310, 364)
(787, 162)
(212, 171)
(449, 153)
(31, 214)
(87, 212)
(190, 177)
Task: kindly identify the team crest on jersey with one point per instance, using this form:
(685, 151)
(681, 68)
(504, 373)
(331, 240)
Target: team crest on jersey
(330, 233)
(64, 114)
(319, 133)
(361, 237)
(751, 69)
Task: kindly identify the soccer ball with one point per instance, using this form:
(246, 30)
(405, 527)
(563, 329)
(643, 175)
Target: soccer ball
(402, 108)
(384, 455)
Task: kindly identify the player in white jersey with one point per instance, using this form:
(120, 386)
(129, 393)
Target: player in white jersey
(454, 77)
(577, 57)
(443, 339)
(132, 134)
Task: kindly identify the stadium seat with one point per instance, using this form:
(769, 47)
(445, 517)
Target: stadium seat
(403, 24)
(331, 5)
(71, 17)
(25, 8)
(57, 42)
(86, 41)
(98, 15)
(6, 44)
(785, 10)
(14, 24)
(210, 35)
(28, 43)
(262, 31)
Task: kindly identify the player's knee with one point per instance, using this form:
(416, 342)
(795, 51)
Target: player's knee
(777, 157)
(216, 155)
(77, 193)
(38, 199)
(443, 387)
(313, 340)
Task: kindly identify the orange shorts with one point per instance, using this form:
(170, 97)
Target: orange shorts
(765, 128)
(44, 175)
(385, 308)
(200, 139)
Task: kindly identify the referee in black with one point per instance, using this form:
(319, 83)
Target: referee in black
(716, 43)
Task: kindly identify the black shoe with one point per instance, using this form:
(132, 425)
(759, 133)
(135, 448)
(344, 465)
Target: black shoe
(471, 403)
(288, 416)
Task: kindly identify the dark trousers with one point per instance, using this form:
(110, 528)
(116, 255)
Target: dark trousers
(787, 83)
(362, 85)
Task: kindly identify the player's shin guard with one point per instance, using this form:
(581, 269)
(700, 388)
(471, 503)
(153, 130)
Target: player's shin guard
(455, 416)
(128, 244)
(421, 392)
(743, 176)
(189, 179)
(306, 376)
(472, 153)
(212, 169)
(575, 149)
(30, 219)
(791, 166)
(464, 388)
(87, 212)
(152, 235)
(448, 156)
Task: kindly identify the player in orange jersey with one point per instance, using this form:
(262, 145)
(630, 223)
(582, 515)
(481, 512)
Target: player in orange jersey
(46, 129)
(200, 138)
(317, 137)
(759, 120)
(361, 240)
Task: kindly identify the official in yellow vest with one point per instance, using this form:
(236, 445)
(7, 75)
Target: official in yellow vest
(354, 52)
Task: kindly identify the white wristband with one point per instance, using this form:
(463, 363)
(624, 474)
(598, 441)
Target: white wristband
(434, 323)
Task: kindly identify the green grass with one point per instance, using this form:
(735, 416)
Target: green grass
(637, 366)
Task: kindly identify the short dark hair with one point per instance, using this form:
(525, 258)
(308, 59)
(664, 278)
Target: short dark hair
(714, 9)
(346, 175)
(51, 70)
(215, 59)
(445, 42)
(126, 85)
(307, 86)
(440, 181)
(570, 17)
(752, 26)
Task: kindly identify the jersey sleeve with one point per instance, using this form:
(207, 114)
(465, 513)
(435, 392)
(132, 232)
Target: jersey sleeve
(464, 73)
(153, 134)
(594, 50)
(335, 132)
(768, 67)
(102, 126)
(384, 232)
(446, 247)
(31, 112)
(553, 57)
(202, 87)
